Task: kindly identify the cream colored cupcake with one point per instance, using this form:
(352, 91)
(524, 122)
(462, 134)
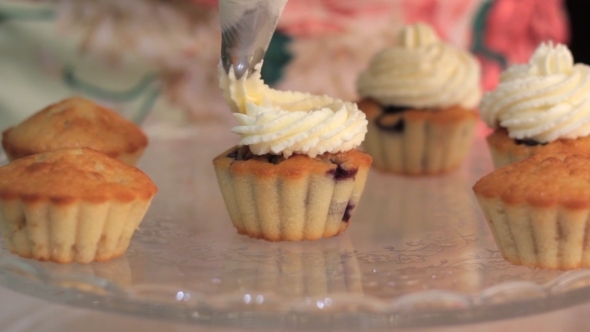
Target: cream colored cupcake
(296, 173)
(538, 210)
(76, 123)
(542, 107)
(420, 98)
(71, 205)
(297, 198)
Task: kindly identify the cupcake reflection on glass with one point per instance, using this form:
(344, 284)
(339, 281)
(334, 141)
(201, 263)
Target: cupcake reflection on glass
(292, 270)
(420, 98)
(541, 107)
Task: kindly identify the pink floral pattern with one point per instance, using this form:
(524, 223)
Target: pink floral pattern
(308, 18)
(442, 15)
(515, 27)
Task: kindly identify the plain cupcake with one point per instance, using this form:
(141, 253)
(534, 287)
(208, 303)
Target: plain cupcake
(296, 173)
(420, 97)
(75, 123)
(542, 107)
(71, 205)
(538, 210)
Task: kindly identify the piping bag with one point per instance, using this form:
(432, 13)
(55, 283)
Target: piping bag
(247, 27)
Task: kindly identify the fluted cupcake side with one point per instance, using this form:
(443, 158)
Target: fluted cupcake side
(79, 232)
(548, 238)
(415, 142)
(538, 210)
(298, 198)
(71, 205)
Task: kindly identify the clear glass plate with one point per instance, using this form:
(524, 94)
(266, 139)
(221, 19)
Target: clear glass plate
(417, 253)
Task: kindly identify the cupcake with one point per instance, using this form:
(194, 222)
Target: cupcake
(538, 210)
(71, 205)
(420, 98)
(76, 123)
(542, 107)
(296, 173)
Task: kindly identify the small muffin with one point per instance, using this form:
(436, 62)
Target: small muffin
(538, 210)
(76, 123)
(71, 205)
(291, 199)
(420, 98)
(542, 107)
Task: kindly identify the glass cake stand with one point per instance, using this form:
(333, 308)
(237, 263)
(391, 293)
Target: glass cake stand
(417, 253)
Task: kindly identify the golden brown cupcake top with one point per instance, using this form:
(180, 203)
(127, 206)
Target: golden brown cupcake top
(70, 175)
(340, 166)
(73, 123)
(543, 180)
(501, 142)
(373, 110)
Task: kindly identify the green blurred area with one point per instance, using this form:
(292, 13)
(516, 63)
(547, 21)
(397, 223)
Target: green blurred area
(276, 59)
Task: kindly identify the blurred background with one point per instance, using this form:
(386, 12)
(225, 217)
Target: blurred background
(160, 57)
(155, 61)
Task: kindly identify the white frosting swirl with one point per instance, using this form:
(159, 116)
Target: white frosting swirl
(285, 122)
(423, 72)
(544, 100)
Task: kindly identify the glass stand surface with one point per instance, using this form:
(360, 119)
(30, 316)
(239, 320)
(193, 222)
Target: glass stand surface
(417, 253)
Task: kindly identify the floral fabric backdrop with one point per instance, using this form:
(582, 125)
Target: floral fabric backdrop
(168, 51)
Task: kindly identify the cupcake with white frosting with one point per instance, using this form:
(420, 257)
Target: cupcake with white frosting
(420, 97)
(542, 107)
(296, 173)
